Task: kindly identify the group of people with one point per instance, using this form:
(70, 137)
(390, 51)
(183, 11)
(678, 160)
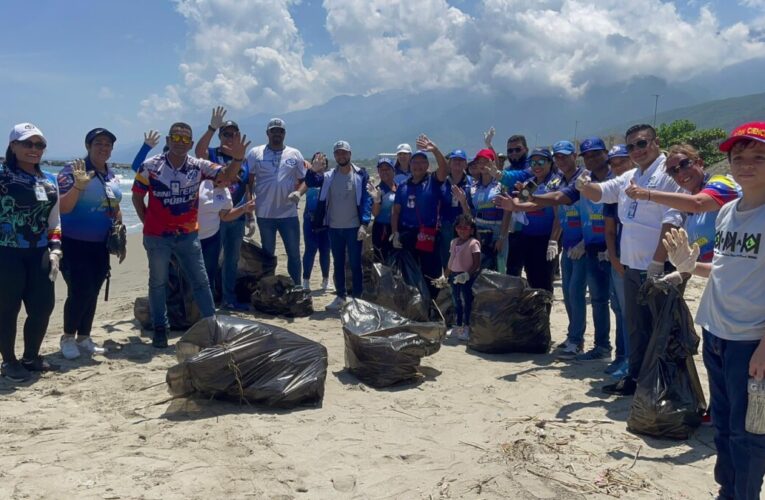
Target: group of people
(621, 216)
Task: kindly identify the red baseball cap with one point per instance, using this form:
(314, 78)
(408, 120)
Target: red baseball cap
(752, 130)
(485, 153)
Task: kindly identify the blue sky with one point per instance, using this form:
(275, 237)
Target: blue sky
(73, 65)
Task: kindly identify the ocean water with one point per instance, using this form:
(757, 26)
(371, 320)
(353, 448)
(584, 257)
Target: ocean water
(125, 176)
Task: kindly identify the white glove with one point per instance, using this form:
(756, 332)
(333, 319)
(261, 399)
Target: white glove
(583, 179)
(603, 256)
(655, 269)
(395, 238)
(374, 192)
(552, 249)
(576, 252)
(673, 278)
(680, 254)
(440, 282)
(294, 197)
(488, 137)
(362, 234)
(462, 278)
(250, 228)
(55, 257)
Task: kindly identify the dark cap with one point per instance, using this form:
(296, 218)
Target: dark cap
(99, 131)
(543, 152)
(229, 124)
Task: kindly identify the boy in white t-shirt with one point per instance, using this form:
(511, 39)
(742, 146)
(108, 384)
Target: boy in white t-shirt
(731, 313)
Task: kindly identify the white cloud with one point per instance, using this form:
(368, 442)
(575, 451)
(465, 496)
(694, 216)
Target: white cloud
(248, 54)
(105, 93)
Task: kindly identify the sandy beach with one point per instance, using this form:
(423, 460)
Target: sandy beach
(477, 426)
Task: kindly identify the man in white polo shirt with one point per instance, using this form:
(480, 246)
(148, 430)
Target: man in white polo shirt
(644, 224)
(278, 172)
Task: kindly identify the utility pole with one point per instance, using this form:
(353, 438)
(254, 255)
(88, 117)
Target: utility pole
(655, 107)
(576, 129)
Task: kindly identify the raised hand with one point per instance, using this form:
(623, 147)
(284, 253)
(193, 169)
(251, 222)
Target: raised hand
(81, 176)
(458, 193)
(679, 252)
(374, 192)
(488, 137)
(216, 120)
(151, 138)
(425, 144)
(318, 163)
(238, 148)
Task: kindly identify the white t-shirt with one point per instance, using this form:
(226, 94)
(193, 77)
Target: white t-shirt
(211, 201)
(733, 301)
(277, 174)
(641, 220)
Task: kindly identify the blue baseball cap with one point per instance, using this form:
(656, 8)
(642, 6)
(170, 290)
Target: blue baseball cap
(384, 161)
(564, 148)
(592, 144)
(96, 132)
(420, 152)
(545, 153)
(457, 153)
(618, 151)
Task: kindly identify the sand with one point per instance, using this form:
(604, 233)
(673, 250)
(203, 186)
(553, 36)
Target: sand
(477, 426)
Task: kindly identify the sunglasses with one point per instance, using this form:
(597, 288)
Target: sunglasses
(538, 163)
(681, 165)
(27, 144)
(180, 138)
(514, 150)
(227, 135)
(641, 144)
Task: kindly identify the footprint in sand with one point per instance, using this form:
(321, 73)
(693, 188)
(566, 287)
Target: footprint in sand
(344, 483)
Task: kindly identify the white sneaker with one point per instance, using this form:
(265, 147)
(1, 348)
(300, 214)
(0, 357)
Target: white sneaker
(454, 331)
(569, 351)
(69, 347)
(87, 346)
(336, 304)
(325, 284)
(464, 335)
(306, 284)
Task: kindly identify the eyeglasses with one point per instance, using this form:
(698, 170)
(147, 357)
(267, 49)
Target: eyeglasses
(180, 138)
(27, 144)
(514, 150)
(681, 165)
(641, 144)
(538, 163)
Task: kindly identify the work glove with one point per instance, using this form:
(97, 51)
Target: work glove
(674, 278)
(552, 250)
(294, 197)
(603, 256)
(362, 233)
(374, 192)
(680, 254)
(655, 269)
(462, 278)
(583, 179)
(576, 252)
(440, 282)
(250, 228)
(55, 259)
(81, 176)
(395, 238)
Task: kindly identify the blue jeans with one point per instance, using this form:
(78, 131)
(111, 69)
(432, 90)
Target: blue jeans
(315, 241)
(599, 284)
(740, 455)
(574, 274)
(342, 240)
(617, 305)
(188, 251)
(289, 230)
(210, 255)
(231, 234)
(462, 298)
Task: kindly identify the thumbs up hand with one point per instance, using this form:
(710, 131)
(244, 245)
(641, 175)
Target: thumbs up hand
(636, 192)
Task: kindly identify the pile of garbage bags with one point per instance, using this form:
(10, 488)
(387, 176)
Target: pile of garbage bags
(508, 316)
(279, 296)
(182, 311)
(399, 286)
(383, 348)
(669, 400)
(248, 361)
(254, 264)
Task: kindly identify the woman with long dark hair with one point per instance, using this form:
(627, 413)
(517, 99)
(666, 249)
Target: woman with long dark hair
(30, 250)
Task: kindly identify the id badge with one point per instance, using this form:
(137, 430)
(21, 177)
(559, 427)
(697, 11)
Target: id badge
(175, 188)
(109, 192)
(632, 209)
(40, 193)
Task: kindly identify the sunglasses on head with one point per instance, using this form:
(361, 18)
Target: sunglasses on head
(538, 163)
(681, 165)
(641, 144)
(180, 138)
(27, 144)
(514, 150)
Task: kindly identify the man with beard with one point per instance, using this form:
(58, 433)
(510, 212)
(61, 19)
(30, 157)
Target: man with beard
(517, 153)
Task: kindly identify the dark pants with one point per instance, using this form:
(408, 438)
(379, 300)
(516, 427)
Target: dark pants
(381, 241)
(211, 255)
(84, 266)
(530, 253)
(430, 262)
(24, 272)
(462, 298)
(342, 241)
(315, 241)
(740, 462)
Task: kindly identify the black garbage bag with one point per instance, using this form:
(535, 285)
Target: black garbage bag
(254, 263)
(399, 286)
(182, 311)
(508, 316)
(248, 361)
(383, 348)
(446, 306)
(669, 400)
(279, 296)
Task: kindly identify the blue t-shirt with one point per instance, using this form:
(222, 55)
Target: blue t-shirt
(386, 204)
(92, 215)
(238, 188)
(482, 198)
(594, 221)
(450, 207)
(311, 200)
(541, 221)
(570, 215)
(419, 202)
(399, 175)
(611, 211)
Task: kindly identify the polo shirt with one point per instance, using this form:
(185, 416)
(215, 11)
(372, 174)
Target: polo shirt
(419, 202)
(277, 174)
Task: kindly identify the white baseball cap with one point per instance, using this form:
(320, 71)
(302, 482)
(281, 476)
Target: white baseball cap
(404, 148)
(341, 146)
(24, 131)
(276, 123)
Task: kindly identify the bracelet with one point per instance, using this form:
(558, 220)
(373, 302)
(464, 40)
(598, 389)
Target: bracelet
(211, 129)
